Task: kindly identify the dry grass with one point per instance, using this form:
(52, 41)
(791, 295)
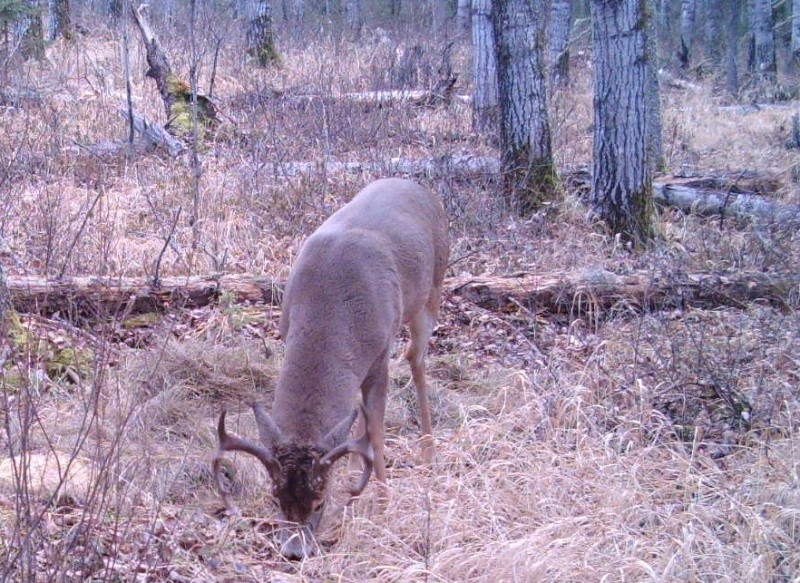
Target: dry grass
(657, 447)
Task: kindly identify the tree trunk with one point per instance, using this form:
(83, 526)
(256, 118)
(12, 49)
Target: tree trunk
(60, 20)
(560, 24)
(688, 8)
(622, 181)
(795, 42)
(32, 43)
(354, 17)
(261, 37)
(592, 292)
(462, 15)
(529, 173)
(733, 14)
(440, 16)
(655, 148)
(485, 106)
(762, 26)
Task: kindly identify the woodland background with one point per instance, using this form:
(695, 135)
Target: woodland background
(600, 412)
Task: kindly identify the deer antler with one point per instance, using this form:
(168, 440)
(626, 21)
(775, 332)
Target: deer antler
(360, 446)
(230, 442)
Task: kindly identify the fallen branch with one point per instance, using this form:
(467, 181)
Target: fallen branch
(585, 293)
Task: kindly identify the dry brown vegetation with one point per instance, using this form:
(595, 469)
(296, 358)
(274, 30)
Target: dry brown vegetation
(622, 447)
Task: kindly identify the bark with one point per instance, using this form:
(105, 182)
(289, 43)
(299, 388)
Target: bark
(713, 18)
(440, 16)
(485, 99)
(762, 24)
(574, 294)
(655, 147)
(688, 9)
(462, 15)
(596, 293)
(355, 20)
(733, 14)
(32, 42)
(61, 20)
(795, 39)
(261, 36)
(175, 92)
(622, 179)
(529, 174)
(560, 25)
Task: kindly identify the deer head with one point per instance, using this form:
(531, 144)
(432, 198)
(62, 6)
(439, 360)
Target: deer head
(299, 473)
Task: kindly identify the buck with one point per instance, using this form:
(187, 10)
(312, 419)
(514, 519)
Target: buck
(374, 265)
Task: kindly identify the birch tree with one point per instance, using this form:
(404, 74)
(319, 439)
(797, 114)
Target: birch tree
(261, 36)
(622, 180)
(529, 172)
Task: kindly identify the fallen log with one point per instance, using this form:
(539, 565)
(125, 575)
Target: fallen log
(598, 292)
(93, 297)
(591, 293)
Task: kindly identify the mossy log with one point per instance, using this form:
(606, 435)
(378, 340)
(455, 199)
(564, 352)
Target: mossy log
(175, 92)
(591, 293)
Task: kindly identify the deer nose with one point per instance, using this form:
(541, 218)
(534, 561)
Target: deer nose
(298, 543)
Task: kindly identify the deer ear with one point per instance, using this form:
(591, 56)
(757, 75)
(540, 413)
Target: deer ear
(268, 432)
(339, 434)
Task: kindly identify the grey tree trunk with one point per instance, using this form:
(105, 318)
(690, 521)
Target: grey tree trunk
(655, 148)
(440, 12)
(795, 42)
(60, 20)
(32, 42)
(733, 15)
(484, 64)
(260, 35)
(560, 24)
(354, 17)
(462, 15)
(712, 16)
(622, 189)
(762, 25)
(529, 172)
(688, 8)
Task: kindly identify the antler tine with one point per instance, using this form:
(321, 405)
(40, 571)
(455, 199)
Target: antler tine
(230, 442)
(360, 446)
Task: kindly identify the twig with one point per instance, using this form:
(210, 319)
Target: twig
(157, 267)
(78, 234)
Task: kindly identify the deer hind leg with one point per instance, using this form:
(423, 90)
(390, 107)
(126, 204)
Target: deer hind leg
(373, 394)
(421, 328)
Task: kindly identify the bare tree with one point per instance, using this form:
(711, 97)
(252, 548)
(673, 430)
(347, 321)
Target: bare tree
(355, 20)
(622, 190)
(261, 36)
(462, 15)
(529, 172)
(655, 149)
(795, 43)
(484, 62)
(733, 15)
(688, 8)
(32, 43)
(558, 41)
(440, 12)
(60, 20)
(762, 61)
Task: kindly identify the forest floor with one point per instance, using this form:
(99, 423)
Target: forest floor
(616, 445)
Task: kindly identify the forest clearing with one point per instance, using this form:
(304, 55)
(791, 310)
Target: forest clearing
(601, 411)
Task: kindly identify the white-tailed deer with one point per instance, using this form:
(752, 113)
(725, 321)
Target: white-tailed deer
(374, 265)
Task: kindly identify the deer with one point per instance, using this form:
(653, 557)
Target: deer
(373, 266)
